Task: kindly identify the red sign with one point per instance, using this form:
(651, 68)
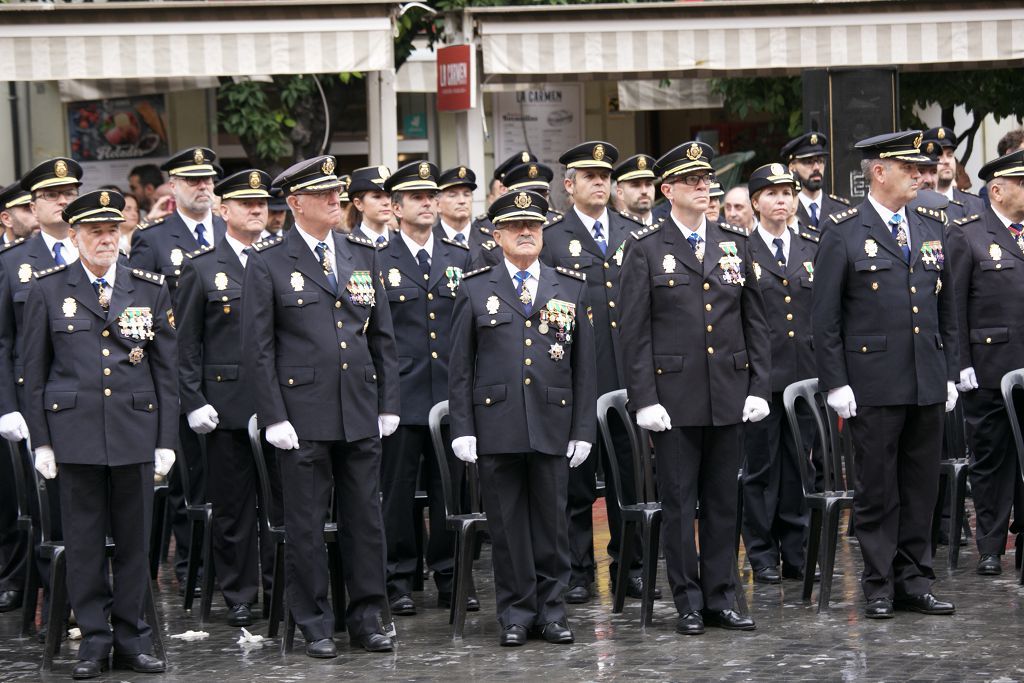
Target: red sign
(456, 78)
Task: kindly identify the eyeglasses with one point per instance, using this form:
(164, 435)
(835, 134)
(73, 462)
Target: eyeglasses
(54, 195)
(196, 182)
(696, 179)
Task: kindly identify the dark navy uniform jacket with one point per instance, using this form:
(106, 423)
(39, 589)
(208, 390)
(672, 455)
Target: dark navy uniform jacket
(161, 247)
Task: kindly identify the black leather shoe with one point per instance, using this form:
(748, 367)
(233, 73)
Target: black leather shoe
(513, 636)
(577, 595)
(10, 600)
(879, 608)
(635, 589)
(557, 632)
(141, 663)
(690, 624)
(87, 668)
(444, 601)
(403, 606)
(322, 649)
(925, 604)
(728, 619)
(373, 642)
(240, 615)
(472, 604)
(196, 592)
(767, 575)
(988, 565)
(797, 573)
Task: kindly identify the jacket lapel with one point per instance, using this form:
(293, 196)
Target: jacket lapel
(616, 232)
(799, 253)
(305, 262)
(547, 289)
(580, 232)
(402, 259)
(344, 262)
(1002, 236)
(678, 247)
(505, 290)
(232, 266)
(121, 297)
(712, 251)
(439, 262)
(83, 291)
(879, 232)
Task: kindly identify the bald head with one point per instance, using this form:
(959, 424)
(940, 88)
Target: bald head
(737, 209)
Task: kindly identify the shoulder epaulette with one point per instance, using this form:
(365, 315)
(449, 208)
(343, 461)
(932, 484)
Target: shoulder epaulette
(635, 219)
(661, 219)
(481, 217)
(967, 219)
(455, 243)
(938, 215)
(837, 198)
(359, 239)
(145, 225)
(572, 273)
(476, 272)
(953, 201)
(553, 221)
(729, 227)
(809, 236)
(11, 245)
(489, 245)
(267, 243)
(484, 229)
(843, 215)
(148, 276)
(200, 251)
(48, 271)
(645, 232)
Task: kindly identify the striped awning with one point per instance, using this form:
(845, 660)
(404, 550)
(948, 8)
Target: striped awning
(739, 38)
(671, 93)
(192, 40)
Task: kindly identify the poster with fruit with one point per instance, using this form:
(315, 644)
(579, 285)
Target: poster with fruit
(128, 128)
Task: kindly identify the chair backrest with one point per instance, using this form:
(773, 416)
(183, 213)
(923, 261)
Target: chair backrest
(454, 501)
(262, 477)
(645, 490)
(1011, 381)
(18, 466)
(837, 451)
(954, 436)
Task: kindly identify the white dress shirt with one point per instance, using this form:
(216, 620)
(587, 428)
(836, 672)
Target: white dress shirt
(588, 223)
(887, 215)
(414, 247)
(207, 226)
(769, 238)
(702, 229)
(531, 282)
(238, 248)
(373, 235)
(68, 250)
(312, 243)
(108, 276)
(451, 232)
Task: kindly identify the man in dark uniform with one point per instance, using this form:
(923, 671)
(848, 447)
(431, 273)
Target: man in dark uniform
(101, 402)
(713, 213)
(590, 239)
(318, 350)
(16, 217)
(985, 254)
(421, 269)
(961, 204)
(806, 156)
(52, 185)
(774, 514)
(490, 254)
(693, 386)
(160, 247)
(634, 186)
(885, 341)
(521, 393)
(454, 213)
(215, 398)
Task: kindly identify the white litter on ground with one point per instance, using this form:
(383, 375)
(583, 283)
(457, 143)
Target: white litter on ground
(191, 635)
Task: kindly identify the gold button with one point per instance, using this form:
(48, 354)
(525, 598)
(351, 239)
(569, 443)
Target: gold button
(563, 401)
(433, 335)
(433, 354)
(710, 328)
(711, 350)
(611, 304)
(913, 290)
(337, 304)
(863, 349)
(219, 378)
(576, 266)
(375, 378)
(526, 381)
(430, 296)
(106, 372)
(493, 321)
(874, 286)
(529, 324)
(988, 340)
(177, 272)
(608, 285)
(606, 266)
(998, 266)
(671, 283)
(792, 334)
(106, 333)
(917, 330)
(344, 366)
(658, 371)
(71, 328)
(785, 283)
(21, 380)
(106, 392)
(149, 406)
(344, 345)
(106, 352)
(340, 324)
(291, 381)
(487, 401)
(787, 299)
(224, 298)
(529, 342)
(915, 309)
(528, 361)
(299, 302)
(614, 325)
(874, 267)
(401, 297)
(707, 307)
(789, 316)
(706, 286)
(432, 316)
(55, 406)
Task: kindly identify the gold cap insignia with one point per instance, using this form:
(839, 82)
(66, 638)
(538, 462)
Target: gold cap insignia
(254, 180)
(104, 198)
(384, 172)
(694, 152)
(929, 147)
(523, 200)
(197, 156)
(917, 142)
(814, 138)
(525, 157)
(462, 171)
(641, 164)
(424, 170)
(598, 152)
(60, 168)
(777, 169)
(942, 133)
(532, 173)
(328, 166)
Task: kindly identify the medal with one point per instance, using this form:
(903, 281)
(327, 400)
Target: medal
(24, 273)
(454, 275)
(556, 352)
(136, 355)
(104, 297)
(70, 307)
(669, 263)
(699, 251)
(618, 254)
(298, 282)
(575, 248)
(177, 257)
(220, 281)
(757, 270)
(170, 317)
(871, 248)
(360, 288)
(809, 267)
(730, 264)
(136, 322)
(543, 328)
(995, 252)
(938, 286)
(492, 304)
(394, 277)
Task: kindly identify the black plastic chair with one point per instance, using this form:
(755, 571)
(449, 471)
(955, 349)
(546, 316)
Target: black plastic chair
(156, 534)
(826, 507)
(1011, 381)
(26, 525)
(467, 521)
(200, 521)
(953, 473)
(275, 606)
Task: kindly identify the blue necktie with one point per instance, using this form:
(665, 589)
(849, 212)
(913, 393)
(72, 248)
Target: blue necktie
(780, 255)
(200, 235)
(599, 237)
(524, 294)
(899, 232)
(382, 240)
(460, 238)
(694, 240)
(57, 256)
(423, 259)
(321, 252)
(814, 214)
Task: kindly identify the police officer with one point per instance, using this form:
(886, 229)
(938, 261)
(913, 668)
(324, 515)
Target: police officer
(521, 393)
(634, 187)
(694, 385)
(214, 396)
(774, 514)
(16, 217)
(986, 251)
(944, 138)
(101, 402)
(715, 194)
(885, 341)
(370, 205)
(807, 159)
(490, 253)
(319, 351)
(421, 270)
(590, 239)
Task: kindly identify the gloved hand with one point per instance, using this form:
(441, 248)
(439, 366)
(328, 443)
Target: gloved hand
(45, 462)
(951, 396)
(387, 424)
(755, 409)
(13, 427)
(577, 452)
(654, 418)
(281, 435)
(465, 448)
(842, 401)
(968, 382)
(163, 460)
(203, 420)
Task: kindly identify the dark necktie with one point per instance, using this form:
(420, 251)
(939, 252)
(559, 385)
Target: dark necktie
(460, 238)
(1017, 231)
(814, 213)
(524, 294)
(696, 243)
(599, 237)
(780, 255)
(382, 240)
(899, 232)
(423, 258)
(102, 292)
(321, 252)
(201, 235)
(58, 257)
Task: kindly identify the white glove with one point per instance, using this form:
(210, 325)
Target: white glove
(842, 401)
(951, 396)
(465, 448)
(387, 424)
(163, 460)
(282, 435)
(755, 409)
(577, 452)
(968, 382)
(45, 462)
(654, 418)
(13, 427)
(203, 420)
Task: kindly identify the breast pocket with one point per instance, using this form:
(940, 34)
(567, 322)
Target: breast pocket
(499, 318)
(401, 294)
(670, 279)
(872, 265)
(71, 325)
(299, 299)
(577, 262)
(995, 266)
(224, 296)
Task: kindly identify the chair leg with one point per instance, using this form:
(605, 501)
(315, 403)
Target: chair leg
(957, 492)
(277, 594)
(651, 541)
(739, 511)
(57, 621)
(456, 575)
(461, 592)
(811, 556)
(31, 594)
(209, 571)
(625, 560)
(417, 577)
(157, 532)
(337, 585)
(830, 538)
(167, 530)
(195, 540)
(288, 637)
(153, 619)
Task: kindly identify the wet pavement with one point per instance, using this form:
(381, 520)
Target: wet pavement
(792, 642)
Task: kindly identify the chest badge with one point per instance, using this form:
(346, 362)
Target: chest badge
(394, 277)
(871, 248)
(70, 307)
(556, 352)
(669, 263)
(575, 248)
(995, 252)
(220, 281)
(492, 304)
(177, 257)
(136, 355)
(757, 270)
(298, 282)
(24, 273)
